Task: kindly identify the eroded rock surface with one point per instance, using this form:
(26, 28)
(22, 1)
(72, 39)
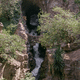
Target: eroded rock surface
(15, 68)
(1, 26)
(71, 68)
(72, 65)
(21, 31)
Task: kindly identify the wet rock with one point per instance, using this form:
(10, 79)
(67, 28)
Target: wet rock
(32, 62)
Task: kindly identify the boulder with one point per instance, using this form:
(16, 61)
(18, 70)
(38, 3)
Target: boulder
(72, 65)
(21, 31)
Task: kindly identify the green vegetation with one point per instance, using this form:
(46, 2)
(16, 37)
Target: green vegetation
(3, 79)
(77, 1)
(10, 14)
(11, 43)
(64, 0)
(28, 76)
(58, 64)
(62, 28)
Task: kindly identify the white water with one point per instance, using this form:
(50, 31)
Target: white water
(37, 59)
(35, 71)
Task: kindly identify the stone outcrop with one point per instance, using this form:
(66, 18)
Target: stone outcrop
(72, 65)
(21, 31)
(1, 26)
(47, 5)
(15, 68)
(71, 68)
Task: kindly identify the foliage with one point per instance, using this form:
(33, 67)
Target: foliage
(77, 1)
(62, 28)
(64, 0)
(10, 14)
(58, 64)
(9, 44)
(28, 76)
(10, 9)
(3, 79)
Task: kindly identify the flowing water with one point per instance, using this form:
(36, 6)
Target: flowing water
(39, 60)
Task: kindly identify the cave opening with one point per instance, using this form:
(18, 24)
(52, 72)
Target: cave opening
(36, 52)
(30, 10)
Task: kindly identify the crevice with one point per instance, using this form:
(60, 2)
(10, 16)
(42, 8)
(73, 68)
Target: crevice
(35, 51)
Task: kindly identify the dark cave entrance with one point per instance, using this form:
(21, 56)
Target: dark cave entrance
(30, 10)
(35, 51)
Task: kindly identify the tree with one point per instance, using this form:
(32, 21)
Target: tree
(10, 9)
(62, 28)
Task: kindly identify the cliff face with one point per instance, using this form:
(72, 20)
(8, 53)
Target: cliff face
(71, 59)
(47, 5)
(71, 69)
(14, 68)
(72, 65)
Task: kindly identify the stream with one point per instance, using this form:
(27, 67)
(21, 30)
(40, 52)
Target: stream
(33, 23)
(38, 60)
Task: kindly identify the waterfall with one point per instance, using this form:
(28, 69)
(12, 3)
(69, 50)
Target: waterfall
(37, 59)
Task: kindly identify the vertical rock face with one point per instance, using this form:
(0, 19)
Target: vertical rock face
(72, 65)
(15, 69)
(71, 69)
(1, 26)
(21, 31)
(47, 5)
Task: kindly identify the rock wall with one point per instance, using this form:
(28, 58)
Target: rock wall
(72, 66)
(1, 26)
(47, 5)
(71, 69)
(15, 69)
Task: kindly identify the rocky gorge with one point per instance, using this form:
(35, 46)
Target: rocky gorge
(35, 58)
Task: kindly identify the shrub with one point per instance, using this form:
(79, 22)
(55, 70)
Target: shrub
(10, 9)
(9, 44)
(10, 14)
(62, 28)
(28, 76)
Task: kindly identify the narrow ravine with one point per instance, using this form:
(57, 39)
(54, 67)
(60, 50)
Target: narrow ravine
(34, 49)
(38, 59)
(38, 53)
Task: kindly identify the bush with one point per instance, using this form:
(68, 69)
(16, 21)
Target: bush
(9, 44)
(62, 28)
(28, 76)
(10, 14)
(10, 9)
